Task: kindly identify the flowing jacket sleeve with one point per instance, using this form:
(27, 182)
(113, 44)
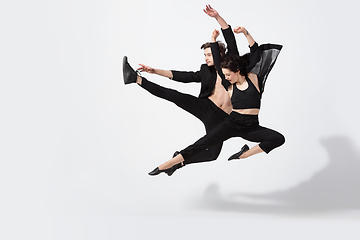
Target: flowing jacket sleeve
(262, 60)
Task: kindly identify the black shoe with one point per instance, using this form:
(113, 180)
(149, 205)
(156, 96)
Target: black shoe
(157, 171)
(176, 153)
(168, 171)
(237, 155)
(171, 170)
(130, 75)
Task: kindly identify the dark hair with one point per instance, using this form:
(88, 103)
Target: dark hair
(236, 63)
(222, 47)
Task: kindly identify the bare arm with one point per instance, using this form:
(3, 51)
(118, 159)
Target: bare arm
(164, 73)
(213, 13)
(179, 76)
(246, 33)
(226, 30)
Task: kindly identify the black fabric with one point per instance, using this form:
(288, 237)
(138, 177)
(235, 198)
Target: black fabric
(262, 60)
(245, 99)
(237, 125)
(230, 41)
(207, 75)
(203, 109)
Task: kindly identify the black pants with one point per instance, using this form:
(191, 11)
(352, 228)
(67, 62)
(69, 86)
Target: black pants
(238, 125)
(204, 109)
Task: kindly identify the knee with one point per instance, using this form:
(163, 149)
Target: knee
(279, 140)
(211, 156)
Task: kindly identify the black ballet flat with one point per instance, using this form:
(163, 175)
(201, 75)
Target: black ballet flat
(237, 155)
(171, 170)
(130, 75)
(168, 171)
(157, 171)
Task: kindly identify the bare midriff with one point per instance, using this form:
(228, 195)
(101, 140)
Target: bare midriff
(250, 111)
(220, 97)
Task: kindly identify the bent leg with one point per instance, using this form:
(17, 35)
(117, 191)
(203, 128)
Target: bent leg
(269, 139)
(213, 117)
(208, 155)
(216, 136)
(204, 109)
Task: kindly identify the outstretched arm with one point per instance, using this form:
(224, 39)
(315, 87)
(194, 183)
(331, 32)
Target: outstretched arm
(180, 76)
(246, 33)
(164, 73)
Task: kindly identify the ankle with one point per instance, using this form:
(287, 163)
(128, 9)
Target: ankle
(139, 80)
(244, 155)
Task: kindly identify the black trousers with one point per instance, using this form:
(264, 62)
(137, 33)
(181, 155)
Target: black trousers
(204, 109)
(238, 125)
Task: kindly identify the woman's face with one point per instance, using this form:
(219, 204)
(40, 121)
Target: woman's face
(231, 76)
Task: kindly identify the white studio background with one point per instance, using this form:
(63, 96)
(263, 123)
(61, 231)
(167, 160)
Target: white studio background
(77, 144)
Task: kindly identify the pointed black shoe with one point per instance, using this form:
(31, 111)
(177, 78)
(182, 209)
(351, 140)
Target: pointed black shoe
(130, 75)
(171, 170)
(157, 171)
(237, 155)
(168, 171)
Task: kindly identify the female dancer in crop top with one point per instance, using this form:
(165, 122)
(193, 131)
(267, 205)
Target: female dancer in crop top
(245, 93)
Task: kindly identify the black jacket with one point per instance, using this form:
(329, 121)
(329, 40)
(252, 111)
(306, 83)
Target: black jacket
(207, 75)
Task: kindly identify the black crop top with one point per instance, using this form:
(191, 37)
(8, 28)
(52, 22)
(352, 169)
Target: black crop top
(246, 99)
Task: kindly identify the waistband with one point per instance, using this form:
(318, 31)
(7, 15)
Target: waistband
(244, 116)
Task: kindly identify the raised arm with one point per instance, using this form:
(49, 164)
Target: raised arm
(225, 28)
(213, 13)
(214, 45)
(246, 33)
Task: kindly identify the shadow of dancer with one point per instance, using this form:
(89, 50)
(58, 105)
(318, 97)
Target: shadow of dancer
(335, 188)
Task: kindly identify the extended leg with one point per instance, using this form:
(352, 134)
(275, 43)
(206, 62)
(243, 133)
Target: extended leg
(268, 138)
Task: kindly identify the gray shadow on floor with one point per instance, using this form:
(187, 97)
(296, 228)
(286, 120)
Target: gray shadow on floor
(335, 188)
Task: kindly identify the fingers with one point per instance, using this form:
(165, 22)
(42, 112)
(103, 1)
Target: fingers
(141, 68)
(216, 32)
(144, 68)
(208, 8)
(237, 30)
